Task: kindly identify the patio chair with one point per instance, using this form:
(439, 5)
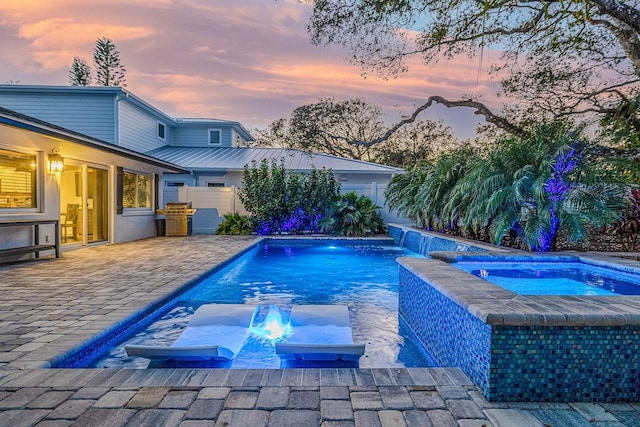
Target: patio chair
(70, 222)
(320, 333)
(214, 332)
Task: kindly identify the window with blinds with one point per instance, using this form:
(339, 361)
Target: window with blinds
(18, 178)
(136, 190)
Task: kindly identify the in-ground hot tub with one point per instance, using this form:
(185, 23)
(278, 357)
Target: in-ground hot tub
(524, 347)
(554, 276)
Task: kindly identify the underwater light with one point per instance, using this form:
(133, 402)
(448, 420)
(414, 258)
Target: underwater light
(272, 328)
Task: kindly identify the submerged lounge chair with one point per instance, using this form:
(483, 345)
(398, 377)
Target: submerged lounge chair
(320, 333)
(214, 332)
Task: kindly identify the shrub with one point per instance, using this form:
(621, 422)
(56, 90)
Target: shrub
(282, 201)
(235, 224)
(353, 215)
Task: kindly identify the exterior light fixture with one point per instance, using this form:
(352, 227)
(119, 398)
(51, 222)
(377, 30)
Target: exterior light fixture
(56, 162)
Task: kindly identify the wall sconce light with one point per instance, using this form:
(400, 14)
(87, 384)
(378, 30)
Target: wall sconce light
(56, 162)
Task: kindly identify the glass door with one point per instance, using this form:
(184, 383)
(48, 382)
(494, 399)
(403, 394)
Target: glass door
(71, 202)
(97, 205)
(84, 204)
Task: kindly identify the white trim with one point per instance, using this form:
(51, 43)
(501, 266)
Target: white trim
(219, 130)
(137, 212)
(164, 130)
(41, 172)
(151, 191)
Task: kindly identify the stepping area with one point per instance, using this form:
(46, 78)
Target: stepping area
(49, 307)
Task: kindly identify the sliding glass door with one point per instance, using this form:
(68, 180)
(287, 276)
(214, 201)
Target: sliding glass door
(97, 205)
(84, 204)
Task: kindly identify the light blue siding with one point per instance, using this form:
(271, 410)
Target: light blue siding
(90, 115)
(139, 129)
(198, 135)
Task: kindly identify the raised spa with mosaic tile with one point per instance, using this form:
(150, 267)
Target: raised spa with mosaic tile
(554, 348)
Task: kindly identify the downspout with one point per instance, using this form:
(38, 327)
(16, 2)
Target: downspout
(116, 120)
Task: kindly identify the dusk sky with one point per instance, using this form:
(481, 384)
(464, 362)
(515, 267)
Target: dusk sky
(248, 60)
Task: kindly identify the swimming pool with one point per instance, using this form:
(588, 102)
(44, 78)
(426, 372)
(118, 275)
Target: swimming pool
(285, 273)
(549, 277)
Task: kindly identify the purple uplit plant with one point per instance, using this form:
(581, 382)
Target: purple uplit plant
(556, 187)
(264, 229)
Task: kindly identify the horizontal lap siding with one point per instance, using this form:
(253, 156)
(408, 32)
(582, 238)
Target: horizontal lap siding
(90, 115)
(139, 130)
(198, 136)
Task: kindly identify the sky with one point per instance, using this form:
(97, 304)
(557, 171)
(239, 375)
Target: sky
(249, 61)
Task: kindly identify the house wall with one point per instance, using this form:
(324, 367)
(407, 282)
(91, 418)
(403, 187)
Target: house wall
(139, 130)
(49, 207)
(92, 115)
(238, 141)
(131, 225)
(198, 135)
(234, 178)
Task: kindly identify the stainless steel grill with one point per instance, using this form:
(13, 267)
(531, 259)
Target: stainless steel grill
(178, 218)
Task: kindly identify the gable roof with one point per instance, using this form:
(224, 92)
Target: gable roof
(22, 121)
(234, 159)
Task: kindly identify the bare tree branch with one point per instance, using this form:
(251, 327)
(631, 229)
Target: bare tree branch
(480, 109)
(620, 11)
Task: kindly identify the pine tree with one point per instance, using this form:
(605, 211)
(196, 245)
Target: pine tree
(80, 73)
(106, 59)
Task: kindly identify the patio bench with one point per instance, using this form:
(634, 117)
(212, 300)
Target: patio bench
(8, 254)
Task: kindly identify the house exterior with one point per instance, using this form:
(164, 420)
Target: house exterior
(102, 194)
(216, 175)
(209, 153)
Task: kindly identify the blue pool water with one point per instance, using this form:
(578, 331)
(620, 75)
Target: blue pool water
(555, 278)
(286, 273)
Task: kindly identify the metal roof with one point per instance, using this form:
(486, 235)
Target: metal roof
(234, 159)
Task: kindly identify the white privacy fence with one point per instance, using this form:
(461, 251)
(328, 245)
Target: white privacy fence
(213, 202)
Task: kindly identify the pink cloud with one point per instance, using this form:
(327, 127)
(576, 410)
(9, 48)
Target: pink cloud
(250, 61)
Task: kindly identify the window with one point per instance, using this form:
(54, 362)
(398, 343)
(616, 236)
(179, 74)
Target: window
(174, 183)
(215, 184)
(162, 131)
(136, 190)
(215, 136)
(18, 178)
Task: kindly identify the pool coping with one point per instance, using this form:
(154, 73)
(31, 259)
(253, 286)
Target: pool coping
(494, 305)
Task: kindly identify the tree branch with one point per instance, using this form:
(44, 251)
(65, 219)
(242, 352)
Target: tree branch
(620, 11)
(480, 109)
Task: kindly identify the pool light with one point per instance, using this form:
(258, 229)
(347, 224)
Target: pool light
(273, 327)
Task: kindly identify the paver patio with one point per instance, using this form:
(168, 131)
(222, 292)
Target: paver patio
(50, 306)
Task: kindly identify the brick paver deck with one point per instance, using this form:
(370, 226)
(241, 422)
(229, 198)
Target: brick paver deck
(48, 307)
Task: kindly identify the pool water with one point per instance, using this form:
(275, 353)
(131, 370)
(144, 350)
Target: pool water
(286, 273)
(555, 278)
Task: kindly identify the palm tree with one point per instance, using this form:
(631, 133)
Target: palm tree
(435, 192)
(539, 186)
(401, 193)
(533, 188)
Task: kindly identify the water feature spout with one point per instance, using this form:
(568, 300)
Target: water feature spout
(425, 244)
(402, 236)
(272, 327)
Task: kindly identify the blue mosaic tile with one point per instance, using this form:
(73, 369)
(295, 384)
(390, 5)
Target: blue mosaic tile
(396, 234)
(452, 336)
(423, 243)
(524, 363)
(565, 363)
